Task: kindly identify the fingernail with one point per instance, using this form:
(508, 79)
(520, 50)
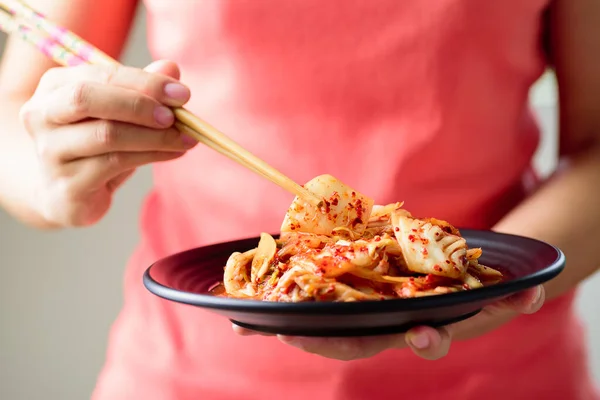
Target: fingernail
(164, 115)
(187, 141)
(419, 341)
(177, 91)
(538, 295)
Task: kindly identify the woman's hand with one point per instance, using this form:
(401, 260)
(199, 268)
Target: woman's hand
(92, 126)
(426, 342)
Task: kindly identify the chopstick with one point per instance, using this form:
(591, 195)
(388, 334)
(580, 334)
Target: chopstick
(68, 49)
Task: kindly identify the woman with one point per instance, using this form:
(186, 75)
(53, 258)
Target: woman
(424, 102)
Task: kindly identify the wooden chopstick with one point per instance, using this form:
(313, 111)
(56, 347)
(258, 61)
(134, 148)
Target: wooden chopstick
(68, 49)
(206, 141)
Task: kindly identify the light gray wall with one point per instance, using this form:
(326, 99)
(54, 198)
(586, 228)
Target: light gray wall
(59, 292)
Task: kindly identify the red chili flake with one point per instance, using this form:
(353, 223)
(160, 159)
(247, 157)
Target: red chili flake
(359, 209)
(335, 198)
(377, 239)
(437, 268)
(466, 286)
(397, 229)
(424, 251)
(412, 238)
(355, 222)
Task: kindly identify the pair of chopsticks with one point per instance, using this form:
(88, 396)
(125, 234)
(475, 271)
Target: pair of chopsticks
(68, 49)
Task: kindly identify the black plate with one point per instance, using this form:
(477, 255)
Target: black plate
(187, 277)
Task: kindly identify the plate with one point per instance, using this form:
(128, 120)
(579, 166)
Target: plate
(187, 278)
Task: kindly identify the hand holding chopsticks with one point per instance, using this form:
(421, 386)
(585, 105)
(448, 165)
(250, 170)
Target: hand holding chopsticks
(68, 49)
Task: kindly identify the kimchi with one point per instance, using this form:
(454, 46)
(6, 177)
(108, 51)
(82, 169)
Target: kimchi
(349, 249)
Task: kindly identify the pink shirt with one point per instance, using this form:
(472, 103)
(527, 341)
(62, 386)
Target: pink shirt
(420, 101)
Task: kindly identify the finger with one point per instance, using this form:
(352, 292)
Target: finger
(83, 100)
(528, 301)
(345, 349)
(93, 172)
(159, 80)
(498, 314)
(429, 343)
(248, 332)
(164, 67)
(96, 137)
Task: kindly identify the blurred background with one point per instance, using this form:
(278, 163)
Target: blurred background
(60, 292)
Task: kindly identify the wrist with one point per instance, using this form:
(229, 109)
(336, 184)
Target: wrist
(25, 206)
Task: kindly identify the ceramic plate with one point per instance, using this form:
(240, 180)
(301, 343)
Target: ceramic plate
(187, 278)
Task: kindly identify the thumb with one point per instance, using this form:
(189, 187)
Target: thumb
(429, 343)
(164, 67)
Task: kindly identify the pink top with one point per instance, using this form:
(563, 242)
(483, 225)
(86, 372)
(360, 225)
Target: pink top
(420, 101)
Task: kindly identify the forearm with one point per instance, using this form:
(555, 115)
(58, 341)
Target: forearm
(18, 165)
(565, 212)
